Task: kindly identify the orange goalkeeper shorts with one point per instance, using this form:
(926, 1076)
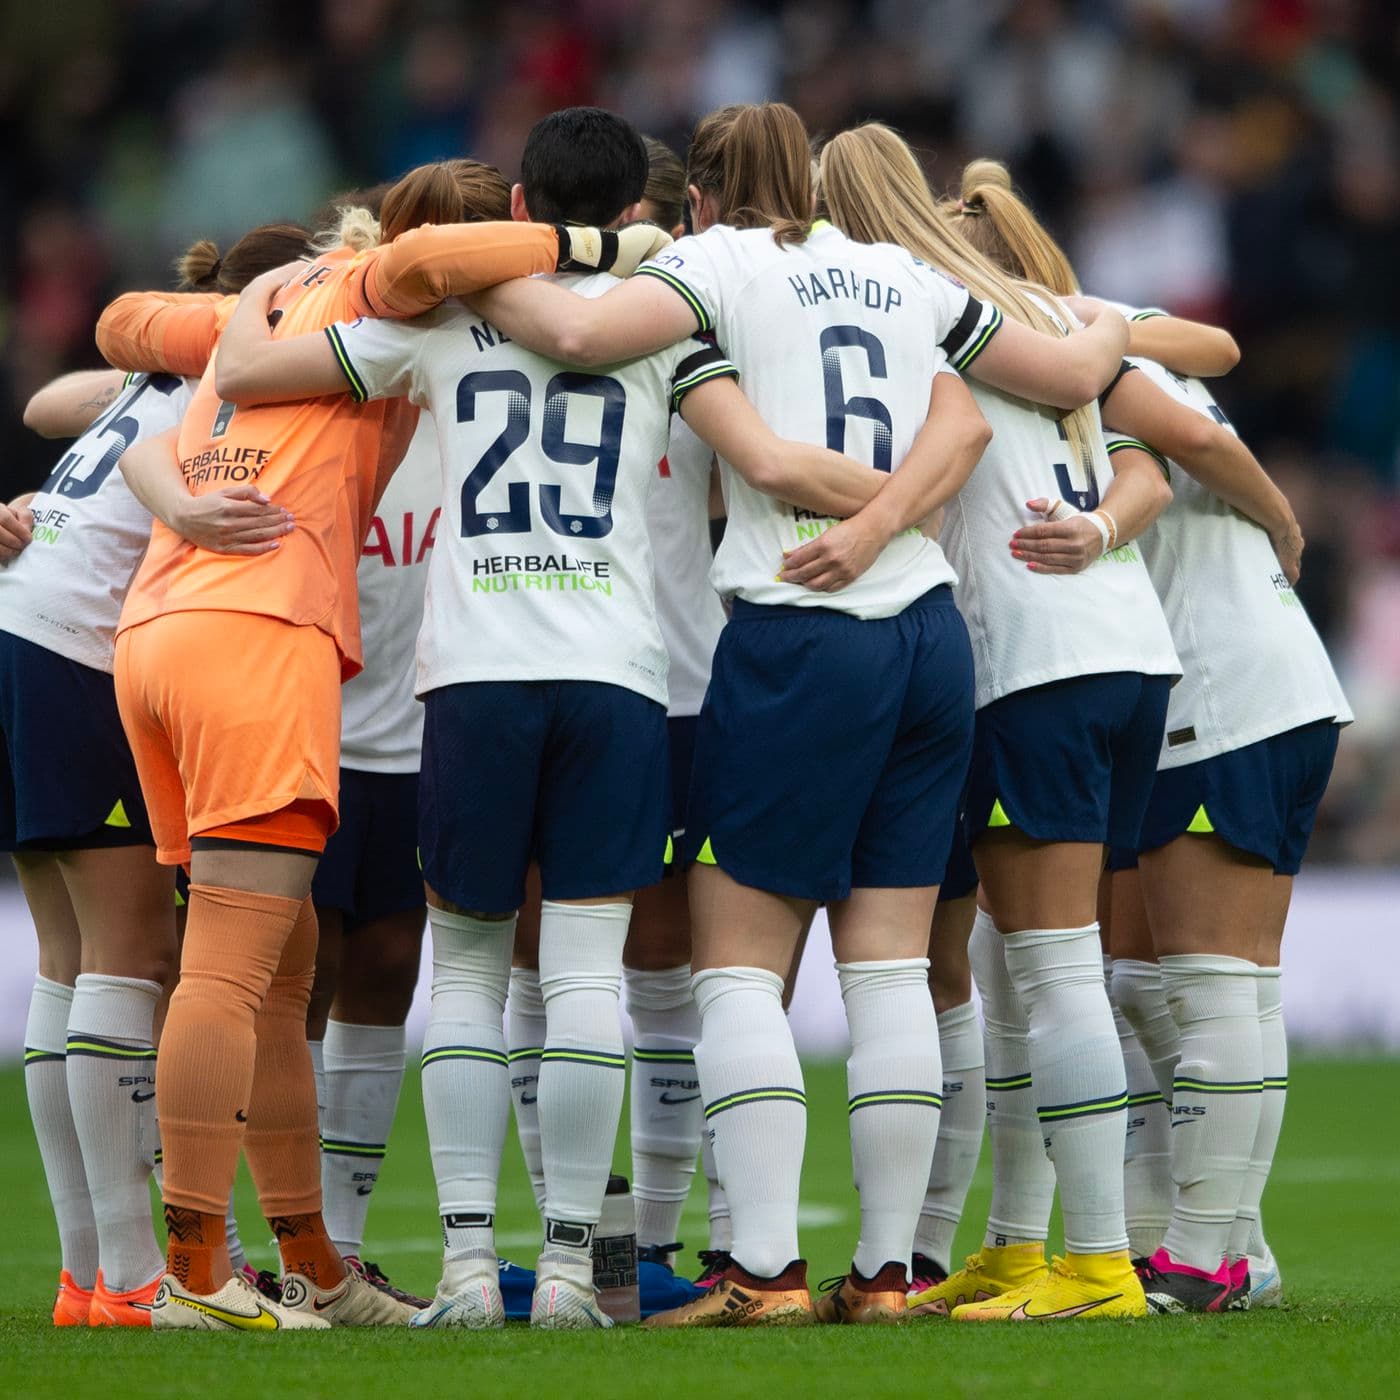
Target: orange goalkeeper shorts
(230, 716)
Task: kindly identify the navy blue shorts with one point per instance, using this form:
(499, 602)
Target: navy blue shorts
(960, 879)
(67, 778)
(1261, 798)
(680, 740)
(1070, 761)
(572, 774)
(831, 751)
(370, 868)
(1121, 857)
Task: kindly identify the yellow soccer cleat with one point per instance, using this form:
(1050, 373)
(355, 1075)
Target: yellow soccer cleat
(992, 1271)
(739, 1299)
(1079, 1285)
(853, 1299)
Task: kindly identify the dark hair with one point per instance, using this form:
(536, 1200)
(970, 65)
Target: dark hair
(582, 165)
(202, 269)
(665, 183)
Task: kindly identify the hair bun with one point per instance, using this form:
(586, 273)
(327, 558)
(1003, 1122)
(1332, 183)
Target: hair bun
(199, 266)
(981, 175)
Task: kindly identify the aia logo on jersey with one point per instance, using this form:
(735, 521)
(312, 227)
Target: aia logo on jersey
(412, 548)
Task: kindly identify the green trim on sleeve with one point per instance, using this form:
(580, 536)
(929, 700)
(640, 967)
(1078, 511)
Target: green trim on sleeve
(358, 392)
(1121, 444)
(981, 343)
(679, 287)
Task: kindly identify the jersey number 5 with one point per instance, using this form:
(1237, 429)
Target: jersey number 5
(602, 455)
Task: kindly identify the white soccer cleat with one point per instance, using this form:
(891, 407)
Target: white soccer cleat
(469, 1295)
(353, 1302)
(236, 1307)
(1265, 1282)
(563, 1302)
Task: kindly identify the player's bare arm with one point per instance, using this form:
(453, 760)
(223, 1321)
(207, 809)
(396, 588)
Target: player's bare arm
(239, 520)
(1210, 453)
(814, 478)
(631, 320)
(939, 462)
(70, 404)
(1065, 372)
(1192, 348)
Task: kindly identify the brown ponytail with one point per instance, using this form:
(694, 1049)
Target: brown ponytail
(445, 192)
(1003, 229)
(201, 269)
(757, 160)
(665, 187)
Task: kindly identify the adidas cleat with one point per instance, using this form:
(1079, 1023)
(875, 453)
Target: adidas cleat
(373, 1274)
(129, 1309)
(659, 1287)
(1173, 1287)
(236, 1307)
(1077, 1286)
(741, 1299)
(713, 1263)
(924, 1273)
(861, 1301)
(469, 1295)
(353, 1302)
(992, 1271)
(71, 1304)
(562, 1303)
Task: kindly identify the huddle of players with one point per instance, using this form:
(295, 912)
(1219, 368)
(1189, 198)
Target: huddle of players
(555, 711)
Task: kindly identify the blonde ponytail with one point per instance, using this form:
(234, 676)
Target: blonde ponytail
(874, 190)
(1003, 229)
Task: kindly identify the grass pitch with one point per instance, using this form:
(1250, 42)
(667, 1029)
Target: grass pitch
(1331, 1211)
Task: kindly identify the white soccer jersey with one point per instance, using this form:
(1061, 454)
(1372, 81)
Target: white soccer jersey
(1253, 665)
(65, 591)
(381, 725)
(838, 343)
(688, 609)
(1029, 629)
(542, 569)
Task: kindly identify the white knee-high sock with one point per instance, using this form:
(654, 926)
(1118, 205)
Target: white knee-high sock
(717, 1203)
(1023, 1181)
(111, 1087)
(667, 1113)
(960, 1131)
(1247, 1234)
(1080, 1088)
(1215, 1099)
(364, 1068)
(466, 1088)
(755, 1110)
(1147, 1170)
(583, 1071)
(46, 1085)
(894, 1083)
(525, 1039)
(1137, 992)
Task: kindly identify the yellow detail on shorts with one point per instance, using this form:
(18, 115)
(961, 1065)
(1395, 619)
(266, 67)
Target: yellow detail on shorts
(1201, 824)
(179, 900)
(117, 816)
(670, 852)
(707, 854)
(998, 817)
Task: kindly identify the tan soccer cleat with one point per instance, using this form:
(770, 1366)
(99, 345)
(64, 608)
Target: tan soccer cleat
(862, 1301)
(741, 1299)
(236, 1307)
(987, 1274)
(353, 1302)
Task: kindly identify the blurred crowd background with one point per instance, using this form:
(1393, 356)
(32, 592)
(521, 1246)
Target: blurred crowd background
(1235, 160)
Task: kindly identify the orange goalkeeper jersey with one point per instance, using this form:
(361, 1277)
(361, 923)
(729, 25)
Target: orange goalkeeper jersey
(325, 460)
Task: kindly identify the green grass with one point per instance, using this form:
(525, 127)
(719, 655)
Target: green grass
(1332, 1220)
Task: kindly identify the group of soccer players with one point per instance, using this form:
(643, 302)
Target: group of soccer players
(994, 608)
